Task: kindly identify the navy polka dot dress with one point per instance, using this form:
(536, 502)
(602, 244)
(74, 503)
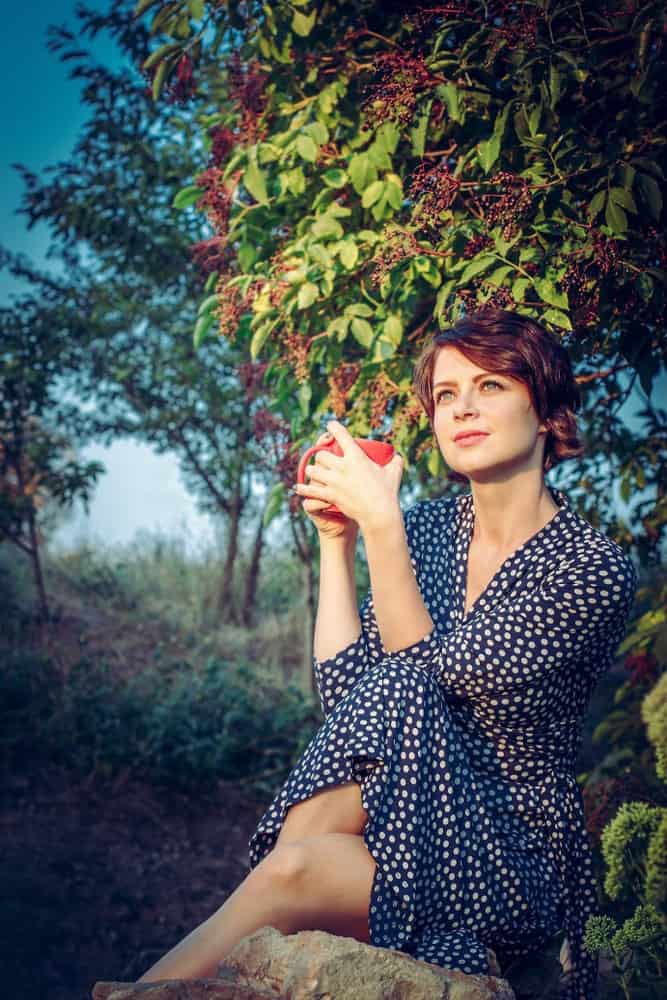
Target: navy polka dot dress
(465, 745)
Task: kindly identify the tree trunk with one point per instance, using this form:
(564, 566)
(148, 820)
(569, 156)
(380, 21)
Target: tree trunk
(308, 577)
(226, 609)
(250, 594)
(37, 568)
(306, 553)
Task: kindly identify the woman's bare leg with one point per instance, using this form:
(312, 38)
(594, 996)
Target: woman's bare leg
(332, 810)
(319, 883)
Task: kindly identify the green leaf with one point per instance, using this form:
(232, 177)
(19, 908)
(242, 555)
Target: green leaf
(383, 349)
(418, 133)
(476, 265)
(202, 327)
(253, 180)
(615, 217)
(557, 318)
(305, 396)
(358, 309)
(303, 24)
(372, 193)
(388, 136)
(159, 53)
(273, 504)
(488, 152)
(555, 87)
(334, 178)
(318, 132)
(519, 288)
(307, 148)
(651, 194)
(160, 77)
(393, 329)
(349, 254)
(210, 302)
(363, 331)
(433, 462)
(362, 172)
(547, 292)
(187, 196)
(259, 338)
(623, 197)
(143, 6)
(247, 256)
(196, 8)
(450, 95)
(308, 293)
(326, 225)
(596, 204)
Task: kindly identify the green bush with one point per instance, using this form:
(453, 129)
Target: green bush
(186, 727)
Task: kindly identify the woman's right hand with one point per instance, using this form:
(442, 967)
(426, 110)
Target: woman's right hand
(328, 525)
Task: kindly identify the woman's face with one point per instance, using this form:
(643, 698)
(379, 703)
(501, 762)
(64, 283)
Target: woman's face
(477, 400)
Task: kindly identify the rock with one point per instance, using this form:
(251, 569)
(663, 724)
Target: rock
(315, 965)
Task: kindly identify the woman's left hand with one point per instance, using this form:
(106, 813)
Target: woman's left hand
(358, 486)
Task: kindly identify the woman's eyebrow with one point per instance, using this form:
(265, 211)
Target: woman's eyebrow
(475, 379)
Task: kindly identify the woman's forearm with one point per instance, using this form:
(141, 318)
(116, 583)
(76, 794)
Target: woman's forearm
(400, 612)
(337, 623)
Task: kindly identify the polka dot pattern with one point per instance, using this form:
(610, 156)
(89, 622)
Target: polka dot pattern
(464, 745)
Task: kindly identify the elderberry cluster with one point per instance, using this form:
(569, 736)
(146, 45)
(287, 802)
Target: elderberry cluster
(223, 141)
(296, 350)
(603, 798)
(395, 246)
(251, 377)
(381, 392)
(401, 77)
(216, 200)
(341, 381)
(509, 208)
(434, 189)
(476, 245)
(247, 89)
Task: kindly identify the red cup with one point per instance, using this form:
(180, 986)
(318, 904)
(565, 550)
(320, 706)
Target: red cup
(381, 452)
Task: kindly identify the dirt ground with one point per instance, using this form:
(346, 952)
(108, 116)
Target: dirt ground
(98, 880)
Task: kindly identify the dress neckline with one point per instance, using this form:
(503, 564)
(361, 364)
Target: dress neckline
(467, 514)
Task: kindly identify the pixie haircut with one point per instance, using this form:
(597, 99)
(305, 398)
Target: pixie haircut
(511, 344)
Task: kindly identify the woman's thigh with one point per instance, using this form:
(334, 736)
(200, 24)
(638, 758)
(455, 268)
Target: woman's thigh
(331, 810)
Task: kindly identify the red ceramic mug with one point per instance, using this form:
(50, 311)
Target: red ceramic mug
(381, 452)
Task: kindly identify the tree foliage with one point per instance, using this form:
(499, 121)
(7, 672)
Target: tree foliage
(377, 168)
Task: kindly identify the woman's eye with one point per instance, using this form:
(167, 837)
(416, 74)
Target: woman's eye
(487, 381)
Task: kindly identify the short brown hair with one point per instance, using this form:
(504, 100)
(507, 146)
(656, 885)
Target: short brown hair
(515, 345)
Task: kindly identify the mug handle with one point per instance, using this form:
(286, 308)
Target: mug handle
(300, 476)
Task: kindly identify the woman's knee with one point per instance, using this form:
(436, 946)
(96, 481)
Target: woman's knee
(287, 865)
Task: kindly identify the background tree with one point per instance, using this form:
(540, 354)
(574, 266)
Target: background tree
(114, 226)
(39, 430)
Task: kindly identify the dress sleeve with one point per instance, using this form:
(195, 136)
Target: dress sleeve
(582, 604)
(337, 675)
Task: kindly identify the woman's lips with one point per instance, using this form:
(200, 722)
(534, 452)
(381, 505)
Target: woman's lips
(470, 439)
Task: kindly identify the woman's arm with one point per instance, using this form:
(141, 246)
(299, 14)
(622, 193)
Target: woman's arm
(400, 612)
(337, 624)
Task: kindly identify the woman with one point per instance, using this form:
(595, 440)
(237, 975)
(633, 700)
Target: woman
(436, 810)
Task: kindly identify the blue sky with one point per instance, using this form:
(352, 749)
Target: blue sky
(41, 114)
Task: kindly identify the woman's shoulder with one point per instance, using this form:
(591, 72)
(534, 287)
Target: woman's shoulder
(431, 516)
(596, 559)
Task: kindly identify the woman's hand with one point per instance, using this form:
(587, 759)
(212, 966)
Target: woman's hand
(365, 492)
(328, 525)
